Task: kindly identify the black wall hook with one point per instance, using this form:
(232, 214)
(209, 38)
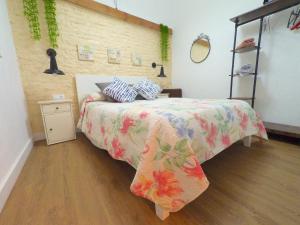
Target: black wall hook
(53, 64)
(162, 71)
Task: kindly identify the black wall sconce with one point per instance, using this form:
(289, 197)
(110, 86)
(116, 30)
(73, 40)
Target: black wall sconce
(53, 64)
(162, 72)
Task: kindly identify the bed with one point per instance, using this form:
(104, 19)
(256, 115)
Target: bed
(165, 140)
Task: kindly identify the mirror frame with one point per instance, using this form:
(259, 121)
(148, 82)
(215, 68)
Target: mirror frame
(202, 36)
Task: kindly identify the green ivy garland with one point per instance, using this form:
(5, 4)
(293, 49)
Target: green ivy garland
(164, 42)
(31, 12)
(50, 11)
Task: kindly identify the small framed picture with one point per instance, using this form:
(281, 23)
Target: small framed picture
(114, 56)
(85, 52)
(136, 59)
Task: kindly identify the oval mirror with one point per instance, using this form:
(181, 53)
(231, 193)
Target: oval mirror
(200, 49)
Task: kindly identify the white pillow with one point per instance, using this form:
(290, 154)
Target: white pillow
(120, 91)
(148, 89)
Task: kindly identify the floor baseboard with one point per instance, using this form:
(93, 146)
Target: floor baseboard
(9, 181)
(281, 129)
(38, 136)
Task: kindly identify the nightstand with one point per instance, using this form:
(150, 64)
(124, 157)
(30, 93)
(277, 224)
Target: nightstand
(58, 120)
(163, 95)
(173, 93)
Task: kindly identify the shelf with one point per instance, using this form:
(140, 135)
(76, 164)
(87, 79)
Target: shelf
(247, 49)
(238, 75)
(266, 10)
(241, 98)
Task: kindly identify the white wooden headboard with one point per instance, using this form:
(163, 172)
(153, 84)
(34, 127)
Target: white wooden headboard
(85, 83)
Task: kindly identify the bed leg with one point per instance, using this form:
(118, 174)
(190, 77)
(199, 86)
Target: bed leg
(161, 212)
(247, 141)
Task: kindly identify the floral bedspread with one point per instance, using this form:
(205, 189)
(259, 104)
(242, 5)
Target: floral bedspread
(166, 140)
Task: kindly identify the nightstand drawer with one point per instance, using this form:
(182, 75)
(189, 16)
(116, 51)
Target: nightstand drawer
(56, 108)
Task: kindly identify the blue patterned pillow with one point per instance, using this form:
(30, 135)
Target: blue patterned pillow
(148, 89)
(120, 91)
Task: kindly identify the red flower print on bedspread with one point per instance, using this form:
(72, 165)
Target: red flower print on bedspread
(118, 151)
(127, 123)
(261, 128)
(102, 130)
(143, 115)
(146, 149)
(202, 122)
(243, 117)
(177, 203)
(90, 99)
(89, 126)
(166, 184)
(211, 130)
(195, 171)
(142, 188)
(244, 121)
(212, 135)
(226, 140)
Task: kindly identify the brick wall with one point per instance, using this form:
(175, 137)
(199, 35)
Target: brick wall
(79, 26)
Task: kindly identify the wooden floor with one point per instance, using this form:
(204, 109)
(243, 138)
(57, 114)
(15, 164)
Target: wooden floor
(74, 183)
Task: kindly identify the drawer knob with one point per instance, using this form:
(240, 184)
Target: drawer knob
(57, 108)
(51, 129)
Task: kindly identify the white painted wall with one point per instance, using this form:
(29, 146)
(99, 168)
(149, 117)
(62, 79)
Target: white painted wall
(278, 89)
(15, 140)
(154, 10)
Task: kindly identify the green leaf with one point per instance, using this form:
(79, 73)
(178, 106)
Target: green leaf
(158, 141)
(219, 116)
(159, 155)
(175, 162)
(181, 145)
(168, 165)
(31, 13)
(166, 148)
(180, 160)
(139, 129)
(50, 13)
(164, 42)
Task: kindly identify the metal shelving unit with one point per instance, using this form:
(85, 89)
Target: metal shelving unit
(256, 14)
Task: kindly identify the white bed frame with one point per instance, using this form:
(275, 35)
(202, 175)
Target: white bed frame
(85, 84)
